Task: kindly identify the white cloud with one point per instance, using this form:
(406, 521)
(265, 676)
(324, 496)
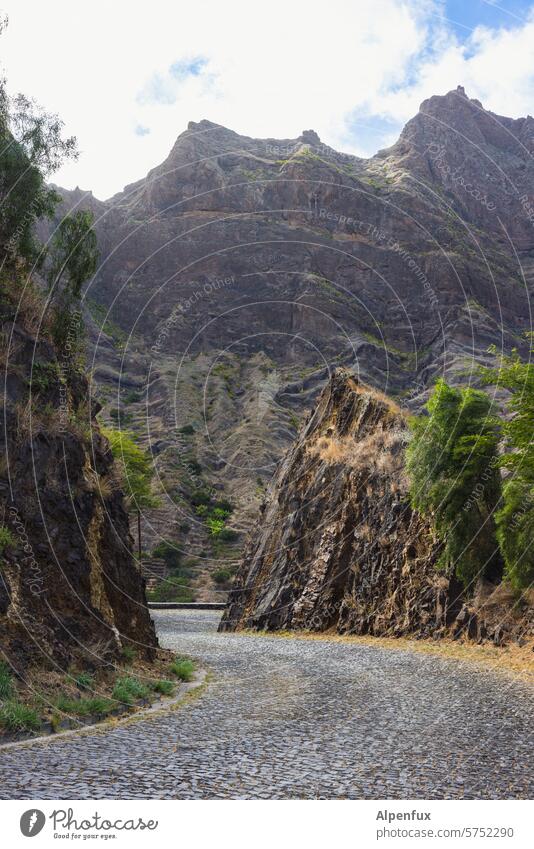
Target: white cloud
(272, 70)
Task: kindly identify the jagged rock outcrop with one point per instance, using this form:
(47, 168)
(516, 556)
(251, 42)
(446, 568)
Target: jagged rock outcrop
(70, 590)
(338, 545)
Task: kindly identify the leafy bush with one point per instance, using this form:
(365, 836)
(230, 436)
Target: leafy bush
(220, 513)
(183, 669)
(228, 535)
(168, 552)
(187, 430)
(132, 397)
(135, 465)
(515, 519)
(44, 376)
(215, 526)
(129, 690)
(120, 415)
(221, 576)
(200, 496)
(453, 466)
(515, 532)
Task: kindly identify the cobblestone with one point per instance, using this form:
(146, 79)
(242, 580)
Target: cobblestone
(287, 718)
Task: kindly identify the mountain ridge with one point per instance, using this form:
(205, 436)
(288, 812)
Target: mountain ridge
(402, 267)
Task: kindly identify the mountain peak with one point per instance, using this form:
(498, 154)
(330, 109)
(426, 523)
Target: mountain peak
(309, 137)
(204, 125)
(454, 99)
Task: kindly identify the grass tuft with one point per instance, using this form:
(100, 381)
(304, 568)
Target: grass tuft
(17, 717)
(84, 707)
(128, 690)
(165, 688)
(84, 681)
(183, 668)
(129, 654)
(7, 688)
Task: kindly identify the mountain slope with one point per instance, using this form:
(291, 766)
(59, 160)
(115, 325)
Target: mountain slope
(241, 271)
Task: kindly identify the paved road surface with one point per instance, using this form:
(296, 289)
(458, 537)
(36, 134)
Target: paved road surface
(287, 718)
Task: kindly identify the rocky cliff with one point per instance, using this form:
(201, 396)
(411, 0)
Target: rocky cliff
(238, 273)
(70, 589)
(338, 545)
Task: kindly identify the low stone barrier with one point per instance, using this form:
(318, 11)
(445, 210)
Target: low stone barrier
(182, 605)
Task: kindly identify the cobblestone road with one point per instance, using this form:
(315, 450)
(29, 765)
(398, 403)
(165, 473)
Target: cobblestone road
(285, 718)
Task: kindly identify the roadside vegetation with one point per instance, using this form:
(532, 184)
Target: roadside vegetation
(452, 463)
(472, 471)
(47, 703)
(515, 518)
(136, 470)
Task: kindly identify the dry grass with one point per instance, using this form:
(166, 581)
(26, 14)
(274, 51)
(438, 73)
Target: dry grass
(364, 389)
(106, 485)
(31, 310)
(79, 423)
(512, 661)
(374, 452)
(33, 419)
(8, 352)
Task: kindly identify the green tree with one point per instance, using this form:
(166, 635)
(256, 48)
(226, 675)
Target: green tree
(72, 259)
(32, 147)
(454, 477)
(170, 553)
(515, 519)
(136, 472)
(73, 254)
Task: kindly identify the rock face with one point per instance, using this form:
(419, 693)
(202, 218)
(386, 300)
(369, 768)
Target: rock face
(70, 591)
(240, 272)
(338, 545)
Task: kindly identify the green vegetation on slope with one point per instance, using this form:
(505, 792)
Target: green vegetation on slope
(515, 518)
(453, 466)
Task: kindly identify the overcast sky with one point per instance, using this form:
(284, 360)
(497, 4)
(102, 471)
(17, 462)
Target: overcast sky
(126, 77)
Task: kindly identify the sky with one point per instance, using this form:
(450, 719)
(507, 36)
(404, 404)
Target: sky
(127, 77)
